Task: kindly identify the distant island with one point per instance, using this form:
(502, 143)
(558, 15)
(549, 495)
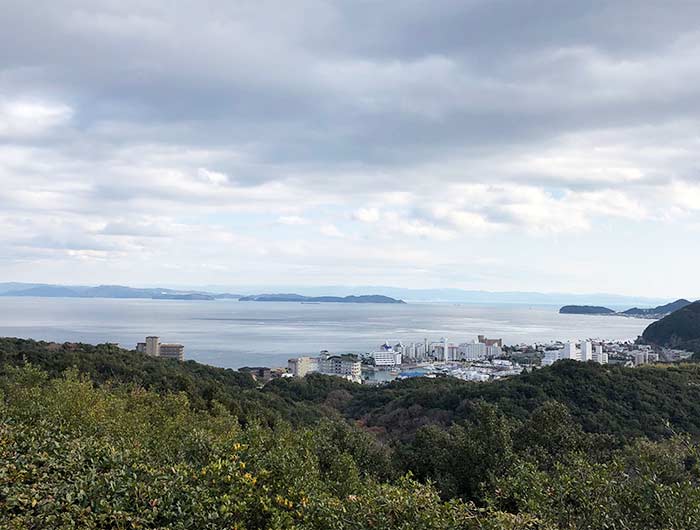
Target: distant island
(585, 310)
(650, 312)
(362, 299)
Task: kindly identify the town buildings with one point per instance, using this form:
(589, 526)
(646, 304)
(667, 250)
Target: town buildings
(301, 366)
(347, 366)
(387, 358)
(474, 351)
(154, 348)
(586, 351)
(172, 351)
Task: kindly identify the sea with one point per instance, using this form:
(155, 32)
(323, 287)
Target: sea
(232, 334)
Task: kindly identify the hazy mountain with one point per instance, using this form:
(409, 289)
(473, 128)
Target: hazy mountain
(105, 291)
(658, 311)
(409, 295)
(650, 312)
(448, 295)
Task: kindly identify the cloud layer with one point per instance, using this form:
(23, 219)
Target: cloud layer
(481, 144)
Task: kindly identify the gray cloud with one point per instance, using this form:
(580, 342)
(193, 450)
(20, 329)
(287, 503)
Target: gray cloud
(366, 120)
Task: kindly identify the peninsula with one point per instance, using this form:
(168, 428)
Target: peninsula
(649, 312)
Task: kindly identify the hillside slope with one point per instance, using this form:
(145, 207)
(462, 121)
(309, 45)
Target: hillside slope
(658, 311)
(91, 448)
(680, 329)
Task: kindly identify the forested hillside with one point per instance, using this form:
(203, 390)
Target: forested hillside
(96, 437)
(680, 329)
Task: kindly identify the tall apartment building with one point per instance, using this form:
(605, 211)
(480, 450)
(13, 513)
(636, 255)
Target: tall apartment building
(599, 355)
(586, 351)
(474, 351)
(570, 352)
(152, 346)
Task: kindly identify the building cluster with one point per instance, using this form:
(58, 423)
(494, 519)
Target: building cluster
(442, 350)
(155, 348)
(625, 353)
(483, 370)
(347, 366)
(643, 354)
(586, 351)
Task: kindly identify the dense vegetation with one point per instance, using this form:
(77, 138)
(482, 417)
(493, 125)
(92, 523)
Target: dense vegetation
(680, 329)
(95, 437)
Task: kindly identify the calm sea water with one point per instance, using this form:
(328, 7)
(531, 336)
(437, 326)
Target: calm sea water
(231, 334)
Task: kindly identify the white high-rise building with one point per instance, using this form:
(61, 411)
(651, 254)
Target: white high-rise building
(586, 351)
(570, 352)
(599, 355)
(473, 351)
(550, 357)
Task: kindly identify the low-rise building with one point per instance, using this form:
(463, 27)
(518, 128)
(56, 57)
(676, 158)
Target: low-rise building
(172, 351)
(347, 366)
(490, 342)
(301, 366)
(259, 373)
(386, 358)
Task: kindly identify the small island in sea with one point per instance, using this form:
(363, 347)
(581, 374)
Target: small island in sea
(585, 310)
(362, 299)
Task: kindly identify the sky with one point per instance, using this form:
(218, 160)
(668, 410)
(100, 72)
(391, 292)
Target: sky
(496, 145)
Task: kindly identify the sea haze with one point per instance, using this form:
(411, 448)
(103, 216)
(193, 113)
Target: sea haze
(231, 334)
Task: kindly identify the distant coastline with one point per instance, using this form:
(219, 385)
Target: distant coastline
(124, 292)
(635, 312)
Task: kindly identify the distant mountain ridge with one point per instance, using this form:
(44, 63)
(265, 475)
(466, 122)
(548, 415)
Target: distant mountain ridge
(362, 299)
(443, 295)
(651, 312)
(121, 291)
(106, 291)
(659, 310)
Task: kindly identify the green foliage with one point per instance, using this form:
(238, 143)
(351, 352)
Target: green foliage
(95, 437)
(646, 485)
(203, 385)
(79, 456)
(614, 400)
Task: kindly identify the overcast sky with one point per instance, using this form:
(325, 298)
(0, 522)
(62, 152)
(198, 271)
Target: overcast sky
(523, 145)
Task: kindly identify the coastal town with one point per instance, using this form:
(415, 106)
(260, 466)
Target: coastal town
(482, 359)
